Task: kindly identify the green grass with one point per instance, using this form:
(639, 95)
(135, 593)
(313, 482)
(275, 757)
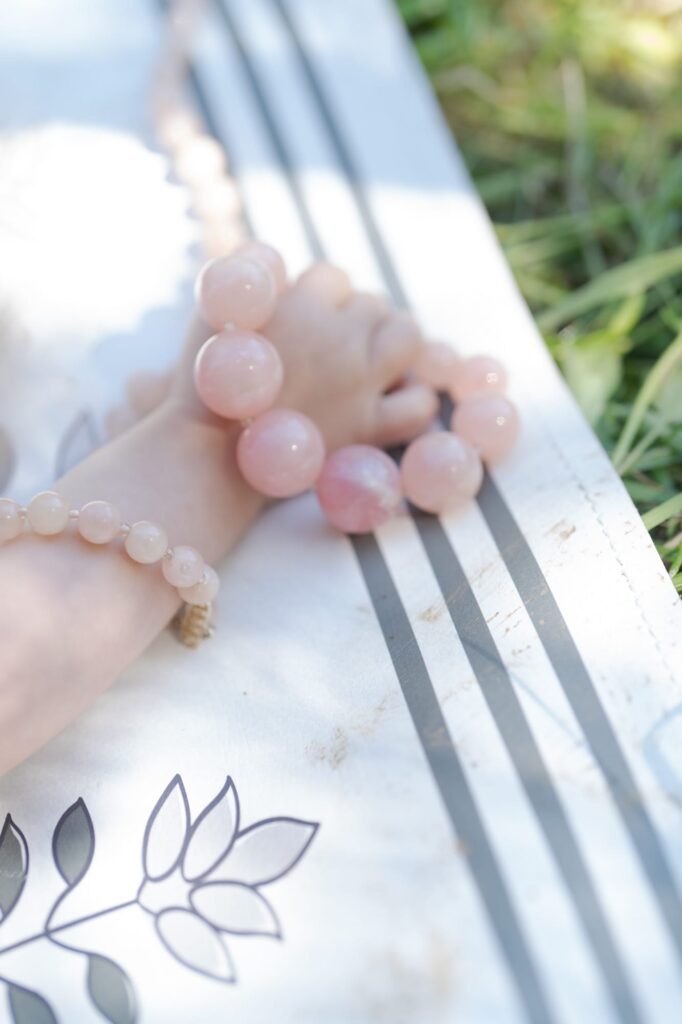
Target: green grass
(568, 113)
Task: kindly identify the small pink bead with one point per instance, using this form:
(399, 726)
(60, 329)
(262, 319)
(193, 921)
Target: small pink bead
(99, 522)
(359, 488)
(440, 471)
(261, 251)
(436, 365)
(183, 566)
(235, 290)
(281, 453)
(217, 199)
(489, 422)
(199, 159)
(238, 374)
(480, 373)
(47, 513)
(11, 523)
(146, 542)
(204, 591)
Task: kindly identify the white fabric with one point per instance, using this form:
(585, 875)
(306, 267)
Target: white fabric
(296, 697)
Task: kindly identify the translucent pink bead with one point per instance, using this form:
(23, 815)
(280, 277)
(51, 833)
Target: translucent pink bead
(489, 422)
(281, 453)
(440, 471)
(480, 373)
(99, 522)
(11, 523)
(264, 253)
(238, 374)
(198, 160)
(204, 591)
(47, 513)
(183, 566)
(359, 488)
(436, 365)
(236, 290)
(146, 542)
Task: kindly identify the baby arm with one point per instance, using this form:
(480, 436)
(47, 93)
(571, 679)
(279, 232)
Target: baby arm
(74, 615)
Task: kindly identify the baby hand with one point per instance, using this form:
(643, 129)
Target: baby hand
(345, 356)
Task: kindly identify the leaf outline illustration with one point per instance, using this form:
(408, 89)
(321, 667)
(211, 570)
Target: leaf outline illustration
(259, 841)
(14, 861)
(73, 843)
(161, 817)
(191, 921)
(245, 900)
(7, 459)
(79, 439)
(111, 990)
(28, 1007)
(197, 862)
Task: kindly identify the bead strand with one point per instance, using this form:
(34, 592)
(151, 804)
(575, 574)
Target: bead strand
(99, 522)
(238, 374)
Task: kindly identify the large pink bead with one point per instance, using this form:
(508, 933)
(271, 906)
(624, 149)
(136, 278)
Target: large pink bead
(261, 251)
(440, 471)
(489, 422)
(233, 289)
(238, 374)
(479, 373)
(436, 365)
(281, 453)
(359, 488)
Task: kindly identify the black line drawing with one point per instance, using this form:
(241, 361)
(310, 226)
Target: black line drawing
(80, 438)
(201, 882)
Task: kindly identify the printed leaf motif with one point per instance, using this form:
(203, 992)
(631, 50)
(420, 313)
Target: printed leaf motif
(13, 865)
(265, 851)
(78, 441)
(195, 943)
(235, 908)
(166, 831)
(7, 459)
(27, 1007)
(110, 990)
(73, 843)
(212, 833)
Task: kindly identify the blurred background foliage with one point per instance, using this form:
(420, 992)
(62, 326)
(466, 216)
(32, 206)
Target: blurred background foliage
(569, 116)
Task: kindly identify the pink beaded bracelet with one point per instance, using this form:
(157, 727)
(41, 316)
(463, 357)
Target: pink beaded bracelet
(239, 373)
(100, 522)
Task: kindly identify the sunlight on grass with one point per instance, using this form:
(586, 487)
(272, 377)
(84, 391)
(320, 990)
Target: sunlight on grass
(567, 113)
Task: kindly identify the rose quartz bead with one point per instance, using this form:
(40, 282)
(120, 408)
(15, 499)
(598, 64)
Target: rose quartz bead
(204, 591)
(198, 160)
(440, 471)
(236, 290)
(146, 542)
(436, 365)
(217, 199)
(183, 566)
(489, 422)
(238, 374)
(359, 488)
(47, 513)
(260, 251)
(281, 453)
(480, 373)
(99, 522)
(11, 522)
(176, 127)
